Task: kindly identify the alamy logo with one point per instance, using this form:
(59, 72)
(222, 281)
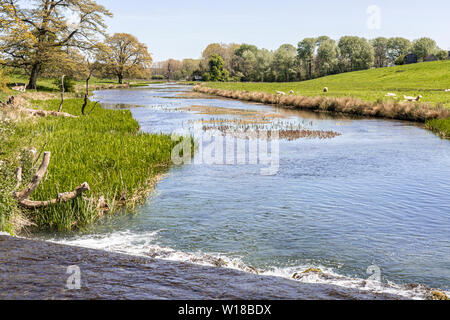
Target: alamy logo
(74, 280)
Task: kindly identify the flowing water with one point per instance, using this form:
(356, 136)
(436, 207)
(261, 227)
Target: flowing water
(371, 201)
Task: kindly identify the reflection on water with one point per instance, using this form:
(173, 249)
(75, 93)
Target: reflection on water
(375, 195)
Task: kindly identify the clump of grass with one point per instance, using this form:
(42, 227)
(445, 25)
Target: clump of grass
(105, 149)
(440, 126)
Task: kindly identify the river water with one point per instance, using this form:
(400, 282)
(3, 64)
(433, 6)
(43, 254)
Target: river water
(371, 201)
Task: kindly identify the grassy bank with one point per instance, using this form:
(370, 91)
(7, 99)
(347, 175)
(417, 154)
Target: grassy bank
(440, 127)
(105, 149)
(429, 79)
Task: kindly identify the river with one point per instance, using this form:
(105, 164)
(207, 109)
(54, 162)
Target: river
(369, 200)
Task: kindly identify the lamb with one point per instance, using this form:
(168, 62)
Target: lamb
(281, 93)
(325, 89)
(412, 98)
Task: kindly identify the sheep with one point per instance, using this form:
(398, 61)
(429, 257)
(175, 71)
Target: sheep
(447, 90)
(389, 94)
(291, 92)
(19, 87)
(325, 89)
(412, 98)
(281, 93)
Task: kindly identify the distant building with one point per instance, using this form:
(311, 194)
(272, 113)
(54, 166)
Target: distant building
(411, 58)
(429, 58)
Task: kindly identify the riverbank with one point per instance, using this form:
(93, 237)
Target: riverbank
(417, 112)
(104, 149)
(38, 270)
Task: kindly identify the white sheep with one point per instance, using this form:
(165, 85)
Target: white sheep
(412, 98)
(389, 94)
(325, 89)
(281, 93)
(447, 90)
(291, 92)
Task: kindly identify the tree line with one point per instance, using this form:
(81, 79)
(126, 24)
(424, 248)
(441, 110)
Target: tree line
(51, 38)
(313, 57)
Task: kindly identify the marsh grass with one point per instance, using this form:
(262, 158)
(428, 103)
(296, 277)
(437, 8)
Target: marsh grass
(440, 127)
(105, 149)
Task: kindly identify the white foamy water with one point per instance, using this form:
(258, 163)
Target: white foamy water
(146, 245)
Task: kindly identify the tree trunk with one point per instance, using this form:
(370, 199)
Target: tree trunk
(120, 79)
(32, 84)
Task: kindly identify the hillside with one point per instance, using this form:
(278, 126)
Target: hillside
(428, 79)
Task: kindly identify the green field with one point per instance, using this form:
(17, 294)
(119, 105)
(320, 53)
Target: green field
(428, 79)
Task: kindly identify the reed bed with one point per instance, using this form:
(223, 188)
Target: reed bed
(418, 112)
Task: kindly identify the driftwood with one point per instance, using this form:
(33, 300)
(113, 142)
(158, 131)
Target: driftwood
(23, 196)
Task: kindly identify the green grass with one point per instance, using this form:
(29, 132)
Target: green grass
(428, 79)
(440, 126)
(105, 149)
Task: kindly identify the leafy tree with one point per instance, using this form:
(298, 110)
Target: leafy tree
(53, 26)
(381, 48)
(264, 60)
(306, 49)
(326, 60)
(285, 63)
(188, 67)
(217, 71)
(355, 53)
(398, 47)
(125, 56)
(423, 47)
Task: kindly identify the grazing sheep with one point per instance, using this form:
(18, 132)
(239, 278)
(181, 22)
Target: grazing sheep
(291, 92)
(325, 89)
(281, 93)
(412, 98)
(447, 90)
(389, 94)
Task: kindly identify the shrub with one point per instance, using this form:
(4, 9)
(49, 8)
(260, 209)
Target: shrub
(400, 60)
(69, 84)
(158, 77)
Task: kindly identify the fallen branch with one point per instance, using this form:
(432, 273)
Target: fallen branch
(62, 197)
(23, 196)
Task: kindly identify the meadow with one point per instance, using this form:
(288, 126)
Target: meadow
(429, 79)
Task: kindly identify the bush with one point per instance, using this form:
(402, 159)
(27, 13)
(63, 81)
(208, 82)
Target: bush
(157, 77)
(69, 84)
(400, 60)
(3, 80)
(442, 55)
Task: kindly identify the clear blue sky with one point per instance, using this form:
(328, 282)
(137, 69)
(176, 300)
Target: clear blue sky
(182, 29)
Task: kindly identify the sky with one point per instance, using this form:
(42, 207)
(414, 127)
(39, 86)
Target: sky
(182, 29)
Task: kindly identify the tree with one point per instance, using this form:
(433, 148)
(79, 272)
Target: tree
(189, 66)
(285, 63)
(55, 26)
(380, 46)
(423, 47)
(398, 47)
(326, 60)
(264, 60)
(306, 50)
(125, 56)
(355, 53)
(216, 71)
